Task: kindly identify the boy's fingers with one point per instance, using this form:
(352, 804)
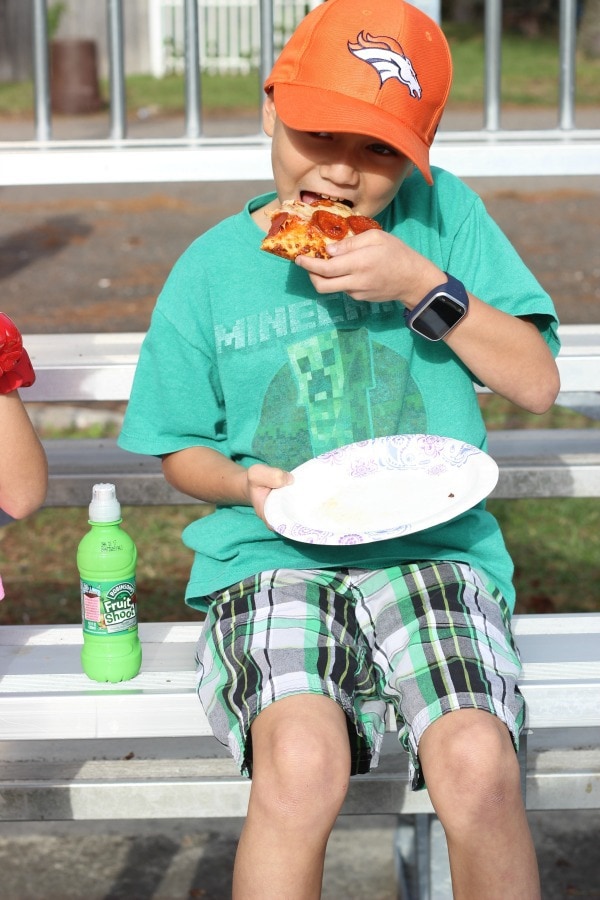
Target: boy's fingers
(282, 478)
(340, 247)
(327, 268)
(311, 264)
(262, 475)
(335, 248)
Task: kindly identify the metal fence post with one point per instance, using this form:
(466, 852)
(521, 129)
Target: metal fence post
(116, 62)
(567, 39)
(41, 72)
(193, 99)
(267, 41)
(493, 59)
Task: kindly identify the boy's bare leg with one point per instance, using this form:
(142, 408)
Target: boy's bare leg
(472, 775)
(301, 770)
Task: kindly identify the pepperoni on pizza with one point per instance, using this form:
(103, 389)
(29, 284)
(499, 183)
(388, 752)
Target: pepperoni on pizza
(305, 229)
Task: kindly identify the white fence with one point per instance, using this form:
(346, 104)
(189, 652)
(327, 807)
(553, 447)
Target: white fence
(229, 33)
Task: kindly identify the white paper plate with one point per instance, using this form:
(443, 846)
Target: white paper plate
(381, 488)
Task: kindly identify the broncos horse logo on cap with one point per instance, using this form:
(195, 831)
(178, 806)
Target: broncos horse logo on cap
(387, 56)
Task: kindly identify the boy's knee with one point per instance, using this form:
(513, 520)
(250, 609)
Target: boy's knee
(301, 771)
(471, 767)
(310, 761)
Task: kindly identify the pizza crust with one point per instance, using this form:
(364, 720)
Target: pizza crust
(306, 229)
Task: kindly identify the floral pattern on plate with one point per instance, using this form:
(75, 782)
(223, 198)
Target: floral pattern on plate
(381, 488)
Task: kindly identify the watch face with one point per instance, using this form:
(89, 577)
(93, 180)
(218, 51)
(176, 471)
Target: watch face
(438, 318)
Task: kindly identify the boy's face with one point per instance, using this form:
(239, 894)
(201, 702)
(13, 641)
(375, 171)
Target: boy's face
(355, 169)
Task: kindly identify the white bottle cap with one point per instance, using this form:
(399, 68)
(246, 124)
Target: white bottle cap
(104, 506)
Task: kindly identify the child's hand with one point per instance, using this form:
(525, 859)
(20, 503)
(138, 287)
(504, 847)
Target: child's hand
(373, 266)
(15, 366)
(262, 479)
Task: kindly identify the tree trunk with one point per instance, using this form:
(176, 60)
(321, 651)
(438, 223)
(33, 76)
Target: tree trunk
(589, 29)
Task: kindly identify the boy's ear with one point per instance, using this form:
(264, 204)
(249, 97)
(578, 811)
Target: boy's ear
(268, 114)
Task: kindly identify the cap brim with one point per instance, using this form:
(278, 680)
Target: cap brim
(307, 108)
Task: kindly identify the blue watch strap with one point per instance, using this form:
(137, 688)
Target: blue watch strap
(453, 286)
(439, 311)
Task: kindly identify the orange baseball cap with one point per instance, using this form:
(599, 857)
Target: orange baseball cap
(376, 67)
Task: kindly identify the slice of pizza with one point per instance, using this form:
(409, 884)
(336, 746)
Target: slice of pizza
(305, 229)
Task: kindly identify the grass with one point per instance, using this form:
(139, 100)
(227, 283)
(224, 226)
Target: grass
(530, 74)
(43, 586)
(555, 544)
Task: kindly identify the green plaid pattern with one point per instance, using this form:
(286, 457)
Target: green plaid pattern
(427, 637)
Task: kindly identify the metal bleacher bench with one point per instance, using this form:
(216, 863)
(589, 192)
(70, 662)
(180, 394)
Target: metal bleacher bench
(143, 749)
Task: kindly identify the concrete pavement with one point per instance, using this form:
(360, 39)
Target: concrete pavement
(180, 860)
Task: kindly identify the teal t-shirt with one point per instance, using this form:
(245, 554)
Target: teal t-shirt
(243, 356)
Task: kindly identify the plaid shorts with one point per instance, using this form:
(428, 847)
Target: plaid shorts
(427, 638)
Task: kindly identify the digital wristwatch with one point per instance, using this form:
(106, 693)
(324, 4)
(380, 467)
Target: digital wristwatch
(440, 311)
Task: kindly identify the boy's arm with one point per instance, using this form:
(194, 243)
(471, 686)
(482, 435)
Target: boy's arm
(207, 475)
(23, 465)
(506, 353)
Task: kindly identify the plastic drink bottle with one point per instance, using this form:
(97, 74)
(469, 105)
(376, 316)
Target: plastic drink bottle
(106, 559)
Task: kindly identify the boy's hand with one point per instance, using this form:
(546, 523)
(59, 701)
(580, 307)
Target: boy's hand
(373, 266)
(262, 479)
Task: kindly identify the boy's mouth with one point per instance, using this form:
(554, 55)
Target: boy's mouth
(312, 197)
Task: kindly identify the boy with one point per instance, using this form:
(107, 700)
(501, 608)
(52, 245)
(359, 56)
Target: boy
(253, 364)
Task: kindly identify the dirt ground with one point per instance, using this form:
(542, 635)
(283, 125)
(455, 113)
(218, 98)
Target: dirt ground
(95, 257)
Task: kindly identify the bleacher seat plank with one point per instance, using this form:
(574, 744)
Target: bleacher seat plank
(91, 368)
(44, 696)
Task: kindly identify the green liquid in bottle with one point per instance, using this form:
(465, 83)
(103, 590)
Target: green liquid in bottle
(106, 559)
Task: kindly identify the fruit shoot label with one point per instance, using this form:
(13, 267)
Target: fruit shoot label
(107, 607)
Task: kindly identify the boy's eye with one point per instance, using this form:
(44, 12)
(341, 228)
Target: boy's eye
(383, 149)
(321, 135)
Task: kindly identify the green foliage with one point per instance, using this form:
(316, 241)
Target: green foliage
(55, 13)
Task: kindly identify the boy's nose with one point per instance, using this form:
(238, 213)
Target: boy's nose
(341, 173)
